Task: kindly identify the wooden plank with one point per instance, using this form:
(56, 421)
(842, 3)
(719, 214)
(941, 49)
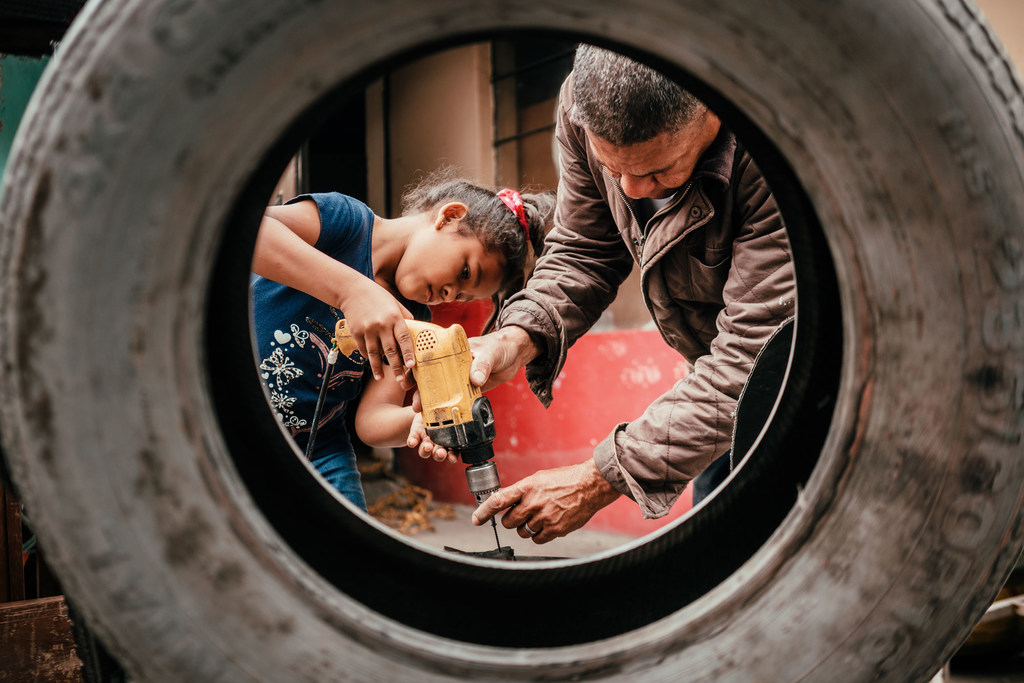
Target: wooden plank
(36, 643)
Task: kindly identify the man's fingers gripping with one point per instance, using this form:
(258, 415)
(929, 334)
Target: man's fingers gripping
(480, 370)
(499, 500)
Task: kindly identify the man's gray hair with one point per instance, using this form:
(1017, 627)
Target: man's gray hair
(625, 102)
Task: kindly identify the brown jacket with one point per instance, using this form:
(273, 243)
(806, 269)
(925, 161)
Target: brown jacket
(716, 277)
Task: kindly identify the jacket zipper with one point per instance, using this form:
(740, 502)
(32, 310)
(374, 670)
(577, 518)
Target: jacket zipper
(639, 243)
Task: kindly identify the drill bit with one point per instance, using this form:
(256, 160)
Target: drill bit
(480, 498)
(494, 525)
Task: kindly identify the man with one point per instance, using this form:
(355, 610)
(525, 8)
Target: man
(649, 176)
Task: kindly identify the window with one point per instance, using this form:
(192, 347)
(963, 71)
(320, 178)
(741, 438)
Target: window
(527, 74)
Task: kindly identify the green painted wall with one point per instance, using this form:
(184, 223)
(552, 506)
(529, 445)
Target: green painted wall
(18, 78)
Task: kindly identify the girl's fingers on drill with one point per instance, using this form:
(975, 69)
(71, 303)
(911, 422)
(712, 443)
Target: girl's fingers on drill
(416, 432)
(402, 377)
(372, 356)
(398, 351)
(426, 449)
(405, 346)
(390, 354)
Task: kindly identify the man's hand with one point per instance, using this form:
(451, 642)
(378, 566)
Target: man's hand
(426, 448)
(377, 323)
(498, 356)
(550, 503)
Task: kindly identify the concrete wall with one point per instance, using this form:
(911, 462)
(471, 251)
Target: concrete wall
(1007, 19)
(441, 113)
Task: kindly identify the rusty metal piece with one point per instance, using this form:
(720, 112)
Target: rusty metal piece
(409, 509)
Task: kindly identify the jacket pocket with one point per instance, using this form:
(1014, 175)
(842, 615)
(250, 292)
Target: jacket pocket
(688, 278)
(709, 278)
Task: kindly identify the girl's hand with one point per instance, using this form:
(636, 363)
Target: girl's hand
(426, 448)
(285, 253)
(377, 323)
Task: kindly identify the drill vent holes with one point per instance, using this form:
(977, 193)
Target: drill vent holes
(426, 340)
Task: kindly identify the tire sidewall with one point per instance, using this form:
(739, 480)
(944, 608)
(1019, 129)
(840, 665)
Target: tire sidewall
(154, 117)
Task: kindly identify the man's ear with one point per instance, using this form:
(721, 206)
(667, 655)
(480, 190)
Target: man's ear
(450, 213)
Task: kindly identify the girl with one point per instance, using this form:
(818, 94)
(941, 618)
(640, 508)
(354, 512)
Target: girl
(325, 256)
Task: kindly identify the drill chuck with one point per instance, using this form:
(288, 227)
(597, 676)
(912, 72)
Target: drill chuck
(483, 480)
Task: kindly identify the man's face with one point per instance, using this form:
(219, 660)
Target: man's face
(655, 169)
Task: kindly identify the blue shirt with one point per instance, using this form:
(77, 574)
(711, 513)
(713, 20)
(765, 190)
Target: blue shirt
(292, 353)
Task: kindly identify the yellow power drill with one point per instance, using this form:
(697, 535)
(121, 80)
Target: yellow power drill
(456, 415)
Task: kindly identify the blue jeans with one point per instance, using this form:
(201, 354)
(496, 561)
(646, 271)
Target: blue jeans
(340, 470)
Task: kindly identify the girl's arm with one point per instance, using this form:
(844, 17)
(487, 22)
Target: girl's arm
(383, 421)
(285, 253)
(381, 418)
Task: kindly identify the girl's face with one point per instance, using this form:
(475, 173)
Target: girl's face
(439, 265)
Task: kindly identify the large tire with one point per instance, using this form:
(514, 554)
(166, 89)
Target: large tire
(199, 549)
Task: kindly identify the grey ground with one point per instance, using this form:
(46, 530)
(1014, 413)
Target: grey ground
(460, 533)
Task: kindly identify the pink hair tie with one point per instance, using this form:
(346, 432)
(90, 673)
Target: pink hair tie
(514, 201)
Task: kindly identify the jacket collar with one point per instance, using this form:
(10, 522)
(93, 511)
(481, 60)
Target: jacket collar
(717, 161)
